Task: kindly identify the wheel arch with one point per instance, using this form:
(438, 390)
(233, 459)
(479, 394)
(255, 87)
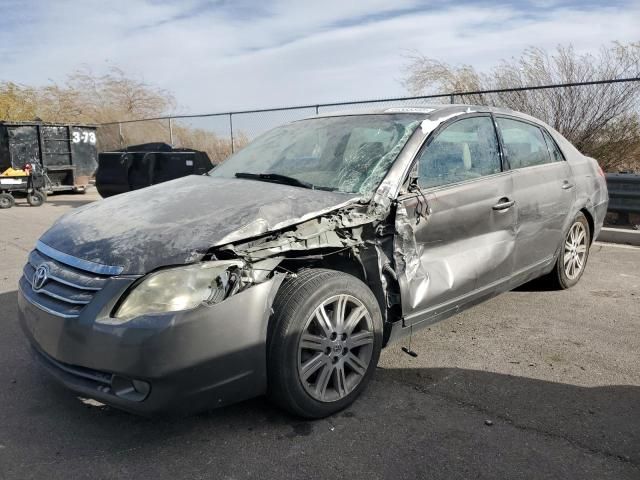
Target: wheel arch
(362, 267)
(585, 211)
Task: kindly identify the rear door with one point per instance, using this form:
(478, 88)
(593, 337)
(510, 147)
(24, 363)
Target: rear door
(56, 150)
(542, 189)
(463, 248)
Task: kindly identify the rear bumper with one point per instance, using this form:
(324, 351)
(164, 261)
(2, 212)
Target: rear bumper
(178, 363)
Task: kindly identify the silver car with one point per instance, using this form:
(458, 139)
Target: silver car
(287, 269)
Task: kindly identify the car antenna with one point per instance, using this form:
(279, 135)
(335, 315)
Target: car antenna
(408, 350)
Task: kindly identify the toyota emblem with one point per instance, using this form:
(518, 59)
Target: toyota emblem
(40, 277)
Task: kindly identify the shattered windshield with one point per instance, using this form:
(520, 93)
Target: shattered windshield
(348, 154)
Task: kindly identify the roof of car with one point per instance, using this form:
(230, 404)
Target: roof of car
(430, 110)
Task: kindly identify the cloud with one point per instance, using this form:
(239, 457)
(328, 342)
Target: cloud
(223, 55)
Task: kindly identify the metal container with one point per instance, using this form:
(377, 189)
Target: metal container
(139, 166)
(67, 152)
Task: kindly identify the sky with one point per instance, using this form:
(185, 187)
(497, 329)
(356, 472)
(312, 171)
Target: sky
(232, 55)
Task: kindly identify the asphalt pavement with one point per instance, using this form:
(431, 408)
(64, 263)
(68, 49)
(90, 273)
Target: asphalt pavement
(532, 384)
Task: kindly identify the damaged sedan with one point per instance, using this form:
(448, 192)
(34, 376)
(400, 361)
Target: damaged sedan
(286, 270)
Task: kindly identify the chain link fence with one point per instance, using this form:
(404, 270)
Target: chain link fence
(220, 134)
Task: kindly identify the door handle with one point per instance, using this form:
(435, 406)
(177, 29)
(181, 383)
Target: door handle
(503, 204)
(566, 185)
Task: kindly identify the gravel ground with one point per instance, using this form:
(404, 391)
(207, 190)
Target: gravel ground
(532, 384)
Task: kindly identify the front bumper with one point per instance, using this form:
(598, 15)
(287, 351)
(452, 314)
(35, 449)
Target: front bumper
(191, 361)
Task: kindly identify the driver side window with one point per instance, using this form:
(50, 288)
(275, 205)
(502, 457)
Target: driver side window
(464, 150)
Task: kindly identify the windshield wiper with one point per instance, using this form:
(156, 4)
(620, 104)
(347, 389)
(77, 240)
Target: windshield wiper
(278, 178)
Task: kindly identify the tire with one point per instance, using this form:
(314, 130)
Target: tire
(35, 199)
(574, 245)
(6, 200)
(325, 371)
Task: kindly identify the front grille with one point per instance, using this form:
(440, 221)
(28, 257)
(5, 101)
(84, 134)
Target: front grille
(67, 289)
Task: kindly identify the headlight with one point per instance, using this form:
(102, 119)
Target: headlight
(181, 288)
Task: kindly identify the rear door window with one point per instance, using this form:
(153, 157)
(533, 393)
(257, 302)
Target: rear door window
(556, 154)
(524, 145)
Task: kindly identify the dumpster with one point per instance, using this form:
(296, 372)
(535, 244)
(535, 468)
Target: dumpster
(139, 166)
(67, 153)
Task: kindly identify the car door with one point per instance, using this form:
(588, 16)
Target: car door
(455, 234)
(542, 189)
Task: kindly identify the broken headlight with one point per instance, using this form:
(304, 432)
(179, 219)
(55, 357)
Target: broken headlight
(181, 288)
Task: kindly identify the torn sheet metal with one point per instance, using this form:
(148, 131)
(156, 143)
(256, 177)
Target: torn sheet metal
(338, 229)
(412, 276)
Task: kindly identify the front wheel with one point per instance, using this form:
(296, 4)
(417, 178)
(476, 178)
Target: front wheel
(324, 343)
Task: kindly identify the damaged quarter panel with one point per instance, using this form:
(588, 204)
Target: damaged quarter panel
(591, 194)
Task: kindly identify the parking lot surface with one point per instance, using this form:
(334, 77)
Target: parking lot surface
(532, 384)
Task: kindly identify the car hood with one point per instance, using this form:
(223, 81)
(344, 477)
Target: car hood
(176, 222)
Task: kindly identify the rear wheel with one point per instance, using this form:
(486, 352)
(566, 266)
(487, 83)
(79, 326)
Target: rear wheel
(35, 198)
(6, 200)
(574, 253)
(324, 344)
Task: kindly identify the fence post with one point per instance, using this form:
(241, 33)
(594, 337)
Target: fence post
(171, 131)
(120, 137)
(317, 107)
(231, 130)
(452, 98)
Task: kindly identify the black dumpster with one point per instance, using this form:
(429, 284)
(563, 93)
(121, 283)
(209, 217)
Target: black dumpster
(66, 152)
(139, 166)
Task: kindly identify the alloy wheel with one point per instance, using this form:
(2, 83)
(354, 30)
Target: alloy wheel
(575, 250)
(335, 348)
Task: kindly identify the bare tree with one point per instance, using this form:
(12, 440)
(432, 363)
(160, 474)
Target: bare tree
(115, 96)
(85, 97)
(428, 75)
(17, 102)
(600, 120)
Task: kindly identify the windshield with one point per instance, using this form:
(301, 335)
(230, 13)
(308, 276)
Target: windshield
(348, 154)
